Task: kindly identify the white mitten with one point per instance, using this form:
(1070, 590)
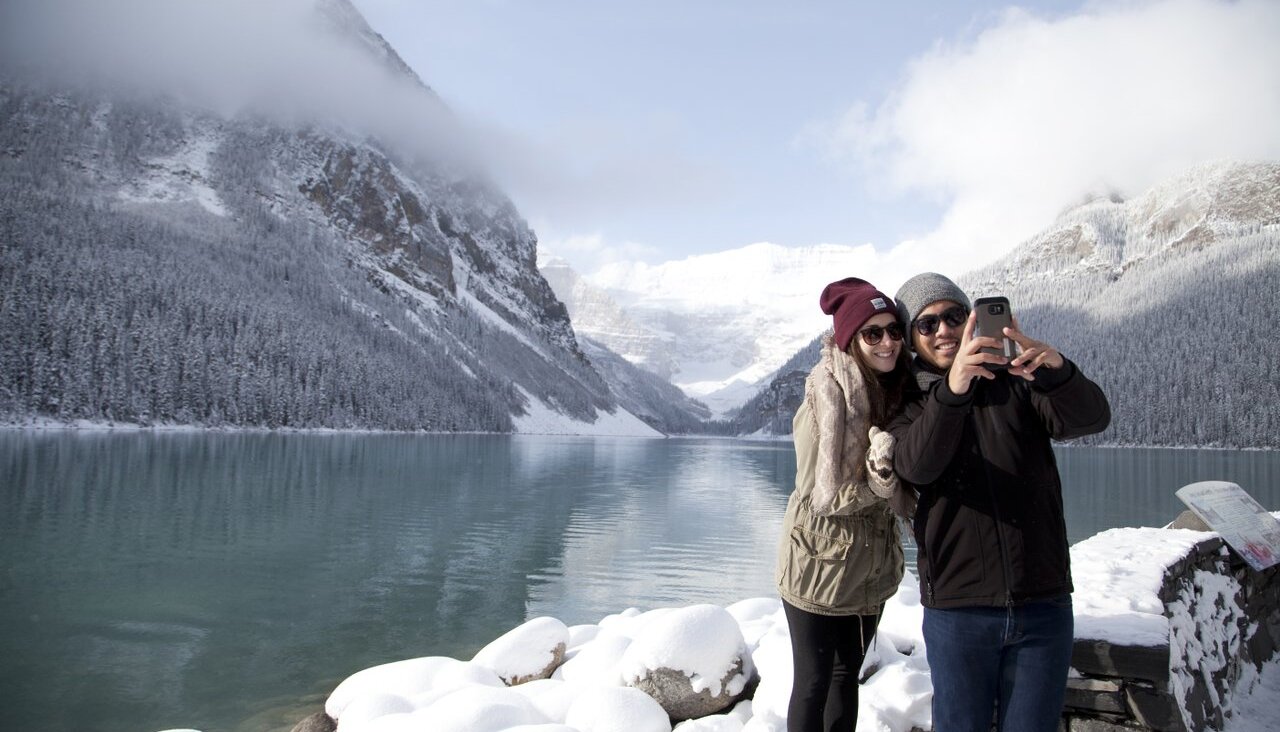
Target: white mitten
(880, 475)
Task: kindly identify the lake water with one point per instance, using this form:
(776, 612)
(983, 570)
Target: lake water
(227, 581)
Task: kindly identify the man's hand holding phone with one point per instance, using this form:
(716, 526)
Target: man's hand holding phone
(971, 361)
(1033, 354)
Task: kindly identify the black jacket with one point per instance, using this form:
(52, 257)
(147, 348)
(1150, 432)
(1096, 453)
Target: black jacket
(989, 524)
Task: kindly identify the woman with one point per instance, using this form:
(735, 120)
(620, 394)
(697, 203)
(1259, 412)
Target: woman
(840, 558)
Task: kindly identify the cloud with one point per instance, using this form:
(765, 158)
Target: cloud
(598, 172)
(1033, 114)
(302, 61)
(590, 252)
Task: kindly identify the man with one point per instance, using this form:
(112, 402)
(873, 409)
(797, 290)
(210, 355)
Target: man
(993, 559)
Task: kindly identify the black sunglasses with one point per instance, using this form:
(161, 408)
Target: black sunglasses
(927, 325)
(872, 334)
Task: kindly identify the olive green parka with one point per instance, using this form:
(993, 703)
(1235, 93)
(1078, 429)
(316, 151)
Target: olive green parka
(839, 554)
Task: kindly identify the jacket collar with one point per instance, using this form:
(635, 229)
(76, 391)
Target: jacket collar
(925, 373)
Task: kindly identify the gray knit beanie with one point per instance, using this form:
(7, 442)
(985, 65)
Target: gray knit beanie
(920, 291)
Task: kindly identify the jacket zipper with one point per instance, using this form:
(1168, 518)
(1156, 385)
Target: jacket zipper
(1006, 570)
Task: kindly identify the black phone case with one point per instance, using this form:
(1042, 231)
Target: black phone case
(994, 315)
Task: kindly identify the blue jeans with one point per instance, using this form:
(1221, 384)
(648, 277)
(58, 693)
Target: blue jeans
(1007, 664)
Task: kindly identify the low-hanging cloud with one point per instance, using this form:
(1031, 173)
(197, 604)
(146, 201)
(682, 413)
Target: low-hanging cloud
(1033, 115)
(304, 61)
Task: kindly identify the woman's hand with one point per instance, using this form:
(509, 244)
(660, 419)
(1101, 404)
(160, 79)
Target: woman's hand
(880, 463)
(970, 362)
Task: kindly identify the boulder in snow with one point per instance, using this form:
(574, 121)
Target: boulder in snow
(692, 661)
(479, 709)
(617, 709)
(529, 652)
(408, 678)
(318, 722)
(674, 691)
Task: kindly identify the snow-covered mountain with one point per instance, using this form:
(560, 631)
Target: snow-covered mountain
(718, 324)
(1166, 300)
(1204, 209)
(596, 315)
(167, 260)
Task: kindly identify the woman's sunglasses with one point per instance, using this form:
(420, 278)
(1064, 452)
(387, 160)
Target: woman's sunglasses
(873, 334)
(927, 325)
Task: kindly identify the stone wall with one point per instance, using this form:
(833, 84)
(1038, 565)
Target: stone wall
(1223, 616)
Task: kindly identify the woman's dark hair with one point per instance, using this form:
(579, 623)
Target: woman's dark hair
(885, 391)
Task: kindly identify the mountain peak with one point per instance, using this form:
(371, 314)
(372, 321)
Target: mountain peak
(344, 18)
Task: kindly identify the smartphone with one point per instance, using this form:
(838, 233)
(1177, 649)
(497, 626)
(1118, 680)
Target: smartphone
(994, 316)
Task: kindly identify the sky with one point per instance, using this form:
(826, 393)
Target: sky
(942, 134)
(920, 135)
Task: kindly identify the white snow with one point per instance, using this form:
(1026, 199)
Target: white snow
(525, 651)
(183, 176)
(543, 420)
(617, 709)
(1117, 575)
(703, 641)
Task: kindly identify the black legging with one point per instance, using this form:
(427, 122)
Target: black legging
(827, 652)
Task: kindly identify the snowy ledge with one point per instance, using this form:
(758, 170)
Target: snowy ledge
(1173, 630)
(1118, 575)
(1169, 627)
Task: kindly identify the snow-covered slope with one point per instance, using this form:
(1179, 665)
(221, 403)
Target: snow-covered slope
(1206, 206)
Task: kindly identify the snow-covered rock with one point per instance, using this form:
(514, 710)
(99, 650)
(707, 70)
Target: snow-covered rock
(531, 651)
(407, 679)
(617, 709)
(479, 709)
(596, 662)
(694, 661)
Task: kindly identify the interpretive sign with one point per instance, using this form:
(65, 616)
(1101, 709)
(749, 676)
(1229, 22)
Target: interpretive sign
(1240, 520)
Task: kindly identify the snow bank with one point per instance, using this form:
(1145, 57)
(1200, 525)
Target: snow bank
(1117, 573)
(591, 690)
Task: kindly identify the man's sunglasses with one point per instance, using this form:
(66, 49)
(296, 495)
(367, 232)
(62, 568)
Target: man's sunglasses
(873, 334)
(927, 325)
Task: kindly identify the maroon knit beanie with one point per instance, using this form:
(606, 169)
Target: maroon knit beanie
(851, 302)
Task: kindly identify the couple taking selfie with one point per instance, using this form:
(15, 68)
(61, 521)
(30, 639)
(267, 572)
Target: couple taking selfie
(929, 408)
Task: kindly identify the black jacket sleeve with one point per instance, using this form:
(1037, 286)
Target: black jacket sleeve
(1069, 404)
(928, 432)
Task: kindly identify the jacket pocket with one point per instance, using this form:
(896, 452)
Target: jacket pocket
(819, 568)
